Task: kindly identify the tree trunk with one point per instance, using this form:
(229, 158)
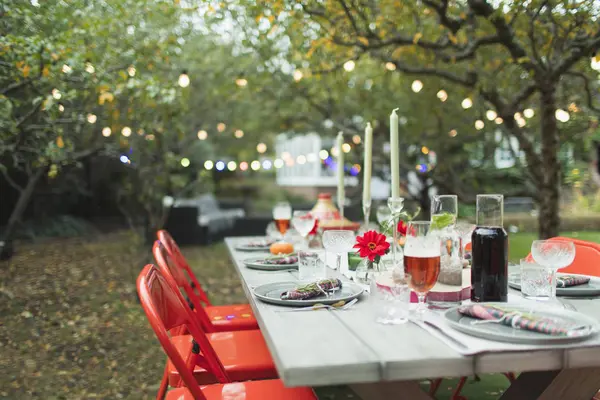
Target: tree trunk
(20, 207)
(549, 189)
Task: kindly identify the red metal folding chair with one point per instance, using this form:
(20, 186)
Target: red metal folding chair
(166, 311)
(234, 317)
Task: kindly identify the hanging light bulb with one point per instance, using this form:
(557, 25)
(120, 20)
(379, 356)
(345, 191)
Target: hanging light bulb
(595, 63)
(241, 82)
(202, 134)
(91, 118)
(346, 148)
(231, 165)
(244, 166)
(106, 131)
(208, 165)
(185, 162)
(298, 75)
(131, 71)
(390, 66)
(61, 108)
(349, 65)
(261, 147)
(453, 133)
(356, 139)
(239, 133)
(323, 154)
(221, 126)
(89, 68)
(528, 113)
(66, 69)
(301, 159)
(442, 95)
(416, 86)
(479, 124)
(491, 115)
(56, 94)
(498, 120)
(562, 115)
(126, 131)
(255, 165)
(278, 163)
(184, 79)
(467, 103)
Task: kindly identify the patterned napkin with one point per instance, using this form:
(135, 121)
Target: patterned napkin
(520, 320)
(281, 260)
(311, 290)
(571, 280)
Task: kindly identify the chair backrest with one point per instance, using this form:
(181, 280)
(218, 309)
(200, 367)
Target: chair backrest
(176, 277)
(587, 257)
(166, 311)
(174, 251)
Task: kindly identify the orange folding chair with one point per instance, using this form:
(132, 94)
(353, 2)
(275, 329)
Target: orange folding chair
(224, 318)
(587, 257)
(166, 311)
(244, 354)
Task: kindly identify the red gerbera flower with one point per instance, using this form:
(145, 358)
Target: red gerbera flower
(402, 228)
(371, 245)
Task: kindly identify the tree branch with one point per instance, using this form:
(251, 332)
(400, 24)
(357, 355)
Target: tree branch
(588, 90)
(10, 181)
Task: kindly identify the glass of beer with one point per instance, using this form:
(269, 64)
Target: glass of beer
(282, 214)
(421, 259)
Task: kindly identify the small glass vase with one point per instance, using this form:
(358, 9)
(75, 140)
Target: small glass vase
(367, 271)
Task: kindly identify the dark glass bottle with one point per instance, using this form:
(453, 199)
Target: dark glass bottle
(489, 271)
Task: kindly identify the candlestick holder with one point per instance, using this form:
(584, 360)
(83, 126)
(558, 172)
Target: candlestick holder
(366, 206)
(395, 205)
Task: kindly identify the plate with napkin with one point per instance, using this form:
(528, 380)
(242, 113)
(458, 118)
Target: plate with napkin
(521, 324)
(302, 294)
(567, 284)
(273, 263)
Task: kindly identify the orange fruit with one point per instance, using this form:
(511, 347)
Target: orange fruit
(281, 248)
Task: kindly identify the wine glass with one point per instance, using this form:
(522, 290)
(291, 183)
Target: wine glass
(338, 241)
(282, 214)
(444, 210)
(303, 222)
(421, 259)
(553, 255)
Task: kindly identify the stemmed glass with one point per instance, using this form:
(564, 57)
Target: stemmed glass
(553, 255)
(338, 241)
(444, 210)
(421, 259)
(303, 222)
(282, 214)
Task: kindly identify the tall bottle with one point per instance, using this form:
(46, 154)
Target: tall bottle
(489, 271)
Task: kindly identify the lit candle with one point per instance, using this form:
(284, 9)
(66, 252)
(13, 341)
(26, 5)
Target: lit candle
(367, 165)
(340, 171)
(394, 157)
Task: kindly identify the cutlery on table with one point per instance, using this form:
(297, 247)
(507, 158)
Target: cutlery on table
(339, 306)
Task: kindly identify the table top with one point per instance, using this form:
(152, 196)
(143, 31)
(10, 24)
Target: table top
(315, 348)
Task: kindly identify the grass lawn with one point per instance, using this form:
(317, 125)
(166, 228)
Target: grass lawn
(71, 326)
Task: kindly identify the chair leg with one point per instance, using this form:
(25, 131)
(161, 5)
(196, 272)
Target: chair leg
(164, 385)
(511, 376)
(456, 393)
(434, 386)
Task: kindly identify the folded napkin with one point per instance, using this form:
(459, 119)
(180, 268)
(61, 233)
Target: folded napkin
(260, 243)
(281, 260)
(314, 289)
(571, 280)
(520, 320)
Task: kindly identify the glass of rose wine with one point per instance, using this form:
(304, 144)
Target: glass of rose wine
(282, 214)
(421, 259)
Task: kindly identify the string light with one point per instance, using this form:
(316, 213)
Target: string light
(334, 151)
(220, 165)
(244, 166)
(416, 86)
(150, 137)
(442, 95)
(185, 162)
(221, 126)
(202, 134)
(356, 139)
(467, 103)
(562, 115)
(241, 82)
(323, 154)
(573, 108)
(267, 164)
(91, 118)
(521, 122)
(255, 165)
(498, 120)
(285, 155)
(425, 150)
(301, 159)
(453, 133)
(261, 147)
(479, 124)
(528, 113)
(66, 69)
(126, 131)
(278, 163)
(56, 94)
(298, 75)
(106, 131)
(357, 167)
(61, 108)
(491, 115)
(89, 68)
(208, 165)
(141, 132)
(184, 80)
(131, 71)
(239, 134)
(231, 165)
(124, 159)
(390, 66)
(595, 63)
(349, 65)
(346, 148)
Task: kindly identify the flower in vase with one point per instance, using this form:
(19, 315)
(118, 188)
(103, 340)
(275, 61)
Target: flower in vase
(372, 245)
(402, 227)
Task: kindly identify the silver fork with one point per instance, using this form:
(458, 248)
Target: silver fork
(323, 306)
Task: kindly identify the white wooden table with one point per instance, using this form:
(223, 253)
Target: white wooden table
(316, 348)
